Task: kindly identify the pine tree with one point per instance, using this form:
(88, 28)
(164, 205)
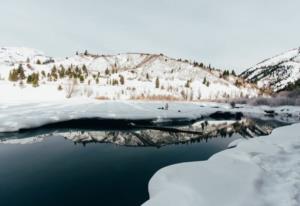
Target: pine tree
(62, 72)
(54, 73)
(207, 83)
(204, 80)
(187, 84)
(13, 75)
(122, 80)
(84, 69)
(33, 79)
(21, 72)
(38, 62)
(157, 83)
(107, 71)
(43, 73)
(115, 82)
(81, 79)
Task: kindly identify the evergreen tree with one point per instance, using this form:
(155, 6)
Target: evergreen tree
(62, 72)
(122, 80)
(207, 83)
(115, 82)
(204, 80)
(33, 79)
(43, 73)
(187, 84)
(107, 71)
(21, 72)
(84, 69)
(233, 73)
(157, 83)
(81, 79)
(13, 75)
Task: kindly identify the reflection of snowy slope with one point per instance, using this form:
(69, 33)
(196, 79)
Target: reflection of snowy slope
(261, 171)
(157, 136)
(28, 140)
(199, 131)
(178, 80)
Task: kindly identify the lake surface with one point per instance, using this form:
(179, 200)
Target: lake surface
(58, 172)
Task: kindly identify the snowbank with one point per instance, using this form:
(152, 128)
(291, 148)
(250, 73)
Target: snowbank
(261, 171)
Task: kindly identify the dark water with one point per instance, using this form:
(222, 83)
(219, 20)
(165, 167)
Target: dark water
(57, 172)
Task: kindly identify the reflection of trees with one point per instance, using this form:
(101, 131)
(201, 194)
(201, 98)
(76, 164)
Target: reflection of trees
(160, 136)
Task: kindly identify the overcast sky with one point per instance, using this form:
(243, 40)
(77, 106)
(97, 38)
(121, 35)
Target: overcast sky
(231, 34)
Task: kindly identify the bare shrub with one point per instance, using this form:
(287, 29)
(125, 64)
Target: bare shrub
(101, 98)
(156, 98)
(88, 91)
(70, 88)
(282, 98)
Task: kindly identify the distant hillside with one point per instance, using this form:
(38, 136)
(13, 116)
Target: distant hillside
(281, 72)
(27, 73)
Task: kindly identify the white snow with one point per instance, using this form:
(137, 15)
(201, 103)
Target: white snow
(139, 71)
(260, 171)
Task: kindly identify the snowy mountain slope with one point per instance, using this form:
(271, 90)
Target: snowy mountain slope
(276, 72)
(14, 55)
(121, 76)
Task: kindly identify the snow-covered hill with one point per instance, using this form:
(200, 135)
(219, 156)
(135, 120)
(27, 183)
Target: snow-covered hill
(29, 74)
(276, 72)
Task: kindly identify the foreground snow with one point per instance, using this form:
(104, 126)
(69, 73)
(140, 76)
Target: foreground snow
(260, 171)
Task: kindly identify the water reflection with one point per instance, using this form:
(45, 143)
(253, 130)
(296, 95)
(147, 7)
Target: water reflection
(153, 135)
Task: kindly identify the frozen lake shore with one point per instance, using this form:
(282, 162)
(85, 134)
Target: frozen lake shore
(15, 115)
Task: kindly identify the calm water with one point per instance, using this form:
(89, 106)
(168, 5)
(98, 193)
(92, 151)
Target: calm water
(58, 172)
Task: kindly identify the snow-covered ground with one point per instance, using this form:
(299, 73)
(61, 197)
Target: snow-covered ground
(261, 171)
(128, 76)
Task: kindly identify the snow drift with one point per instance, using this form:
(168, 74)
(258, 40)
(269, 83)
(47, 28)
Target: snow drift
(261, 171)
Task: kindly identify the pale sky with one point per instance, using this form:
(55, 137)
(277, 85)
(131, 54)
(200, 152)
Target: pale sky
(228, 34)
